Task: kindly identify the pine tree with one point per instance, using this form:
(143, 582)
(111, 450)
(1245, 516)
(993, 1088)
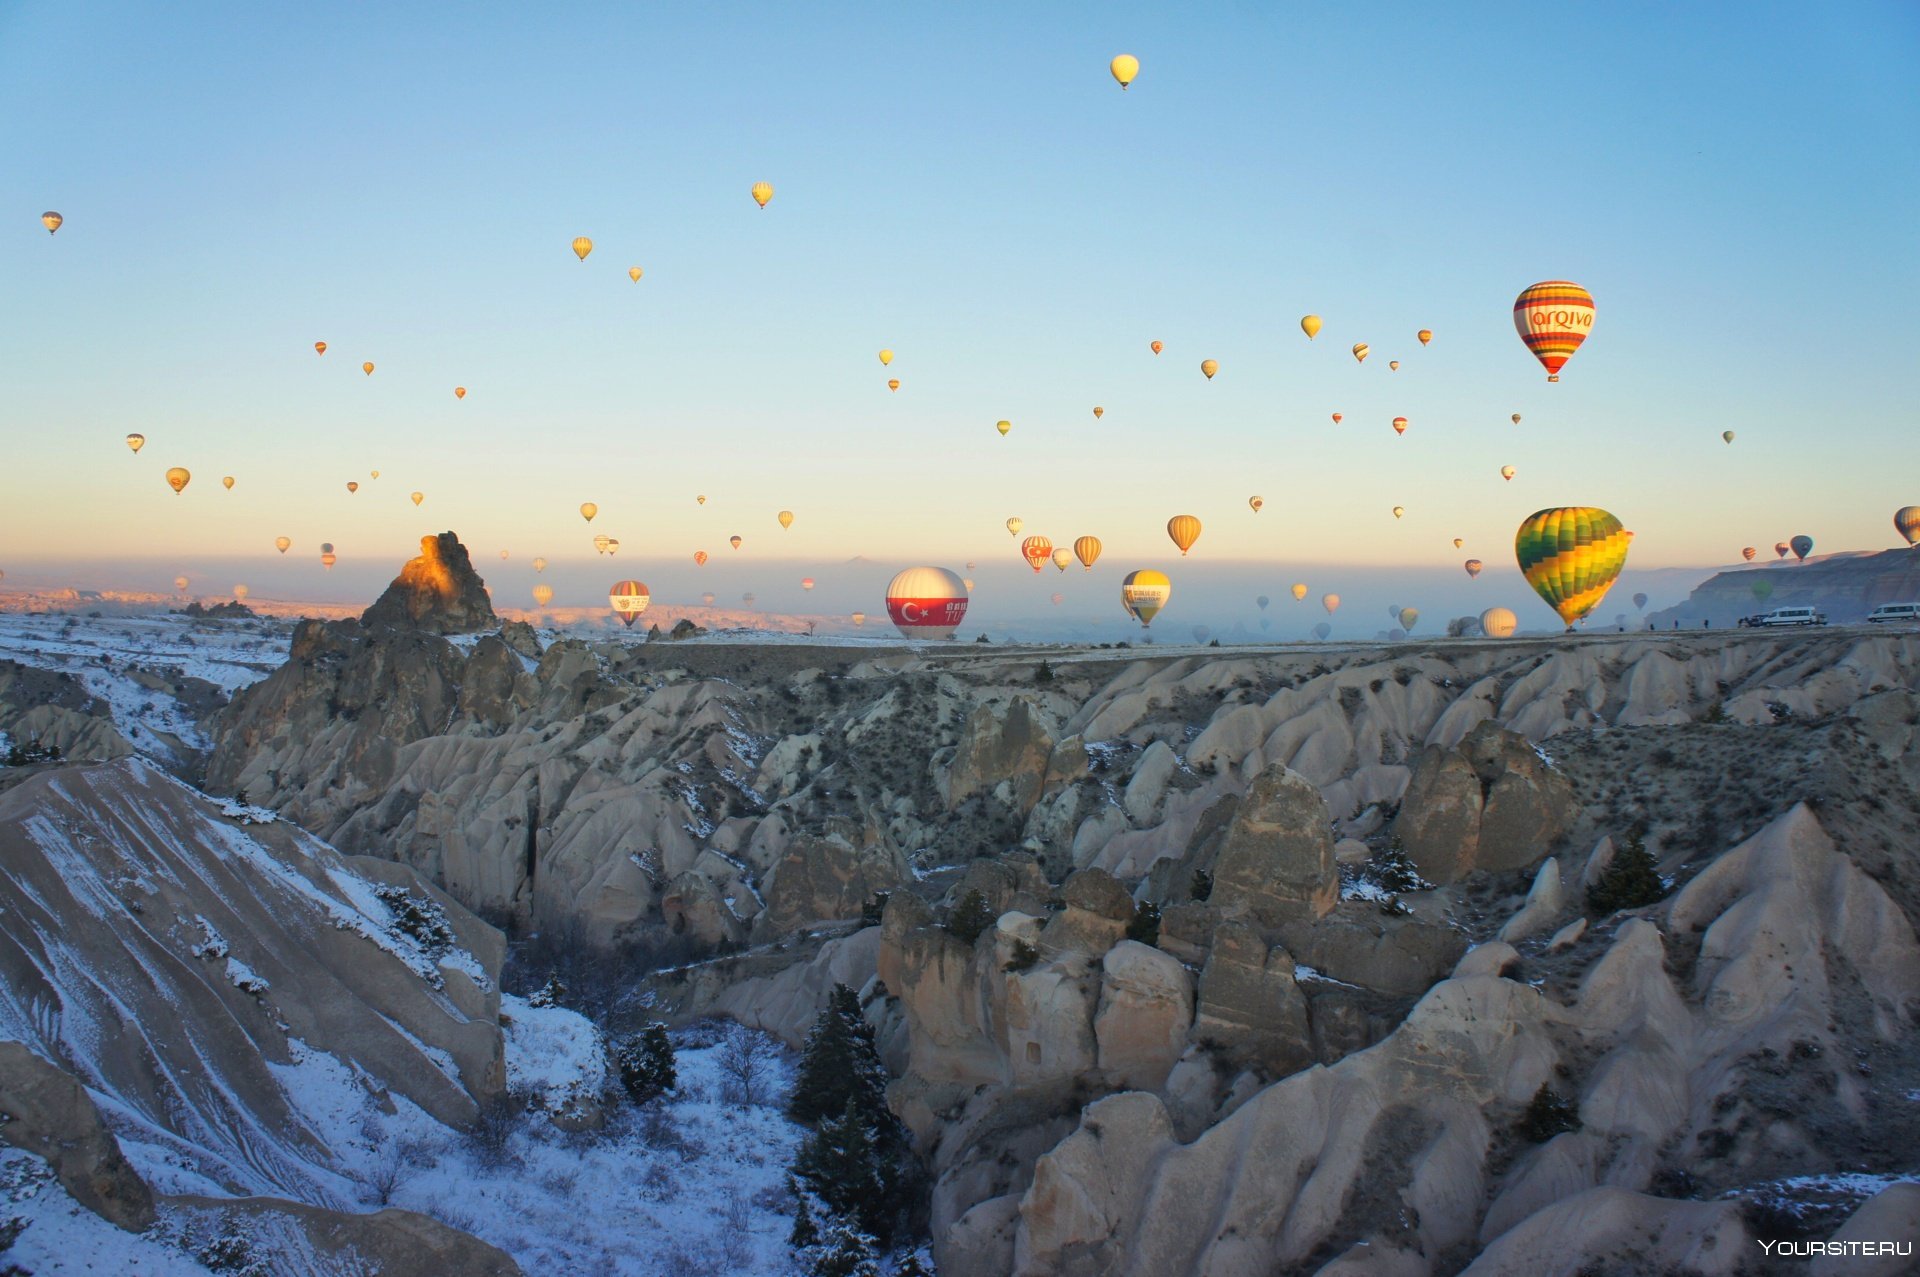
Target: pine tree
(1144, 926)
(845, 1252)
(1630, 880)
(839, 1062)
(838, 1163)
(1393, 869)
(646, 1064)
(804, 1232)
(970, 917)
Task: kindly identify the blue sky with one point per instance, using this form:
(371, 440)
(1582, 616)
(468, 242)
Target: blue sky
(968, 186)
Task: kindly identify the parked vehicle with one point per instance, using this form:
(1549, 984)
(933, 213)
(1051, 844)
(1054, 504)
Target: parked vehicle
(1786, 616)
(1896, 612)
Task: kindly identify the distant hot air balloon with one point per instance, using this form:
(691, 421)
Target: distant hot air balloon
(1014, 525)
(1761, 587)
(328, 558)
(539, 563)
(503, 555)
(734, 542)
(1156, 347)
(240, 592)
(367, 368)
(375, 474)
(599, 544)
(178, 478)
(971, 565)
(326, 547)
(283, 544)
(1640, 602)
(700, 558)
(319, 347)
(1058, 599)
(136, 442)
(893, 384)
(542, 594)
(1393, 365)
(1553, 318)
(1507, 473)
(1062, 558)
(628, 599)
(1906, 521)
(1185, 530)
(1036, 550)
(1726, 436)
(1098, 412)
(762, 192)
(707, 598)
(1498, 622)
(786, 518)
(1331, 602)
(1473, 567)
(886, 357)
(51, 220)
(1321, 631)
(226, 481)
(613, 545)
(1360, 349)
(1261, 602)
(1310, 325)
(748, 598)
(859, 618)
(180, 583)
(1425, 335)
(1200, 633)
(634, 273)
(1571, 555)
(1801, 546)
(587, 510)
(1458, 542)
(1086, 549)
(416, 497)
(806, 583)
(459, 392)
(1299, 591)
(1748, 553)
(1209, 367)
(581, 247)
(926, 602)
(968, 582)
(1124, 68)
(1409, 617)
(1144, 593)
(1399, 425)
(1516, 418)
(1399, 512)
(1393, 611)
(1780, 549)
(352, 486)
(1003, 427)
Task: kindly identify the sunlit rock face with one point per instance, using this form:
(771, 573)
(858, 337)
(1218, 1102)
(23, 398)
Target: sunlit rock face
(438, 592)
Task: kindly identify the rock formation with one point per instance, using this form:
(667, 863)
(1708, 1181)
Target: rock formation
(438, 592)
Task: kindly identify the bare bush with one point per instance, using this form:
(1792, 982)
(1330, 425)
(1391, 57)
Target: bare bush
(736, 1236)
(390, 1170)
(743, 1069)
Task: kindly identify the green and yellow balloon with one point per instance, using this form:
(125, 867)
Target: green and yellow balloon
(1571, 555)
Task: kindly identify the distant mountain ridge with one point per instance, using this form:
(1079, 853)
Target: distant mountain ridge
(1844, 586)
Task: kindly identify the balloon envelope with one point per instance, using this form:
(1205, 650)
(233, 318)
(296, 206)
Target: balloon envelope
(1473, 567)
(543, 594)
(1144, 593)
(762, 192)
(1906, 521)
(1209, 367)
(1498, 622)
(581, 247)
(1310, 325)
(1321, 630)
(587, 510)
(1640, 602)
(283, 544)
(1409, 617)
(1331, 602)
(926, 602)
(786, 518)
(1553, 318)
(1571, 556)
(1124, 68)
(1802, 546)
(1299, 591)
(1036, 551)
(627, 598)
(1087, 549)
(178, 477)
(136, 442)
(1185, 530)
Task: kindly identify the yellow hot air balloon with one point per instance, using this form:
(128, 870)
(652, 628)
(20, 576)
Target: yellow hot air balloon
(503, 556)
(762, 192)
(1087, 549)
(178, 478)
(1507, 473)
(1156, 347)
(1399, 425)
(1098, 412)
(1124, 68)
(1144, 593)
(1906, 521)
(587, 510)
(968, 582)
(51, 220)
(634, 273)
(1310, 325)
(1458, 542)
(352, 486)
(1393, 365)
(581, 247)
(1256, 503)
(543, 593)
(283, 544)
(1003, 427)
(600, 544)
(734, 542)
(894, 384)
(1571, 555)
(886, 357)
(1360, 351)
(319, 347)
(859, 618)
(786, 518)
(417, 497)
(613, 545)
(375, 474)
(136, 442)
(700, 500)
(1409, 617)
(1299, 591)
(1014, 525)
(1062, 558)
(1425, 335)
(226, 481)
(459, 392)
(1209, 367)
(1498, 622)
(367, 368)
(1185, 530)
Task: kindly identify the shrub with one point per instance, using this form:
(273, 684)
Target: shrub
(1547, 1115)
(1630, 880)
(743, 1068)
(1023, 957)
(1392, 869)
(875, 908)
(970, 917)
(1144, 926)
(1201, 887)
(1043, 673)
(645, 1062)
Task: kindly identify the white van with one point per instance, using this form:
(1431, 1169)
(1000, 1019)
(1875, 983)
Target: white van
(1791, 616)
(1901, 612)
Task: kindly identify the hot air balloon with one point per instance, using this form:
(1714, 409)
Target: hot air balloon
(1726, 436)
(1409, 617)
(893, 384)
(503, 555)
(700, 500)
(416, 497)
(539, 564)
(1393, 611)
(1507, 473)
(1310, 325)
(1036, 551)
(581, 247)
(1801, 546)
(240, 592)
(1185, 530)
(178, 478)
(762, 192)
(1498, 622)
(1331, 602)
(459, 392)
(1571, 555)
(1124, 68)
(786, 518)
(1640, 602)
(1299, 591)
(1003, 427)
(367, 368)
(1761, 587)
(283, 544)
(1360, 349)
(926, 603)
(628, 599)
(859, 618)
(542, 594)
(968, 582)
(326, 547)
(599, 544)
(375, 474)
(51, 220)
(1255, 503)
(1144, 593)
(1014, 525)
(634, 273)
(734, 542)
(806, 583)
(613, 545)
(1098, 412)
(1321, 631)
(1156, 347)
(1458, 542)
(1473, 567)
(1906, 521)
(1399, 512)
(352, 486)
(587, 510)
(328, 558)
(1058, 599)
(319, 347)
(1393, 365)
(226, 481)
(1553, 318)
(1336, 418)
(707, 598)
(1516, 418)
(1209, 367)
(1399, 425)
(1261, 602)
(971, 565)
(1425, 335)
(1780, 549)
(1062, 557)
(700, 558)
(180, 583)
(1200, 633)
(136, 442)
(1748, 553)
(1087, 549)
(748, 598)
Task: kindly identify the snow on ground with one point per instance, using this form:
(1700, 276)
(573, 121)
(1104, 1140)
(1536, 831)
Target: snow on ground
(58, 1235)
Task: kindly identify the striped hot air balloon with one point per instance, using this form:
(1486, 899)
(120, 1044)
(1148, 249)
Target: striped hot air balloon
(628, 600)
(1036, 550)
(1906, 521)
(1553, 318)
(1185, 530)
(1571, 555)
(1087, 549)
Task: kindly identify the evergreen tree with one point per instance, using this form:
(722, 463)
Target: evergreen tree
(1144, 926)
(646, 1064)
(1630, 880)
(845, 1252)
(1393, 869)
(1547, 1115)
(839, 1062)
(1023, 956)
(970, 917)
(804, 1232)
(1202, 885)
(839, 1165)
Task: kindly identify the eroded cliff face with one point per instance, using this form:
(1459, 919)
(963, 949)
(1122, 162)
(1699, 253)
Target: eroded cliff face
(438, 592)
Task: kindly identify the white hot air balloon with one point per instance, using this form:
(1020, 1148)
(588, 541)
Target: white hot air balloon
(927, 603)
